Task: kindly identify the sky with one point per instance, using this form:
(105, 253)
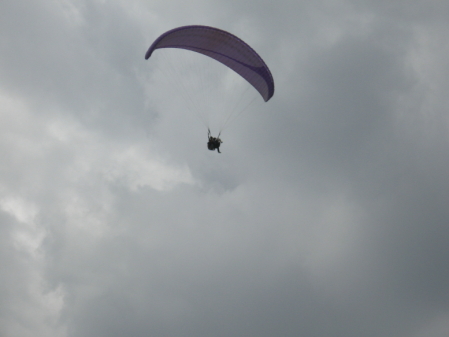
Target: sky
(326, 214)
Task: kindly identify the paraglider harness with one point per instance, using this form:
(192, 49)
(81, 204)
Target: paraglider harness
(214, 142)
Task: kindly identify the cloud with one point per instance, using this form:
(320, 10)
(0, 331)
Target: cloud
(326, 213)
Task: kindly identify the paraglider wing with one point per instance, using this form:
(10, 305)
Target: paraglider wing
(223, 47)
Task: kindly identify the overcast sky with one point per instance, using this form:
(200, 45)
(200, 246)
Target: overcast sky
(327, 213)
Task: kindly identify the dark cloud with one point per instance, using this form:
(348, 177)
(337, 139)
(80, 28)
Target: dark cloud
(326, 213)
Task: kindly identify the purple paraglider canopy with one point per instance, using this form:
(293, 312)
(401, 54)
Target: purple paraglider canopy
(223, 47)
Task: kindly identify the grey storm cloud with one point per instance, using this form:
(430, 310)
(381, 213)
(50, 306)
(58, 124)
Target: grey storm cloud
(325, 215)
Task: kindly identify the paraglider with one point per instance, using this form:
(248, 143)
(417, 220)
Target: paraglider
(225, 48)
(214, 142)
